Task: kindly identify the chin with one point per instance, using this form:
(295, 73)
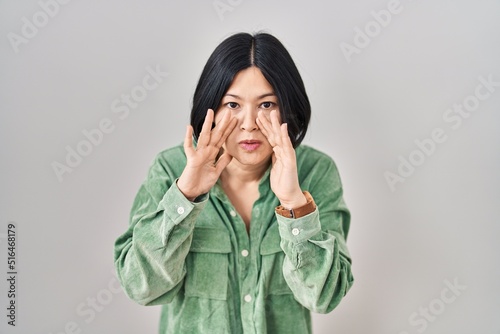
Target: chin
(251, 158)
(253, 162)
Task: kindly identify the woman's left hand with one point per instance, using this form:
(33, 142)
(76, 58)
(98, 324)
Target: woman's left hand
(284, 179)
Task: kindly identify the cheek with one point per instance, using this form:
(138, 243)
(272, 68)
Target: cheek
(230, 140)
(268, 146)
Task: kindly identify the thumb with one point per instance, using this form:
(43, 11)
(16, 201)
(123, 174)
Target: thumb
(222, 163)
(273, 158)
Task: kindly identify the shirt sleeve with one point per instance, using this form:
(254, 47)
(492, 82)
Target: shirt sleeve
(150, 255)
(317, 265)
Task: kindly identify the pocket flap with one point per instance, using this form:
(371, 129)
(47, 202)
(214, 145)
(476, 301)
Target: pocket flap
(271, 241)
(210, 240)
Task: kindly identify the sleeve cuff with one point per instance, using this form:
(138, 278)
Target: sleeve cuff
(177, 207)
(299, 229)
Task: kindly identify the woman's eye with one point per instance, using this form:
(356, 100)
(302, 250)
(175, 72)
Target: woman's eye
(267, 105)
(232, 105)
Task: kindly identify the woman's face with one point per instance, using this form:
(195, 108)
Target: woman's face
(249, 93)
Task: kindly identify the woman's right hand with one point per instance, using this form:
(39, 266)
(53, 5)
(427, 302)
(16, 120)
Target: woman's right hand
(202, 170)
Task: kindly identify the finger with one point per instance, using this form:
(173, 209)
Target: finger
(204, 137)
(261, 125)
(220, 129)
(188, 140)
(276, 127)
(288, 153)
(264, 120)
(285, 138)
(222, 163)
(277, 153)
(227, 131)
(275, 123)
(266, 128)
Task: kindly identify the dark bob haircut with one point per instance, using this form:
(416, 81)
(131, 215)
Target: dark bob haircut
(264, 51)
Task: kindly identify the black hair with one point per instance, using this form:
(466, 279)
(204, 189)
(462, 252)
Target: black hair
(267, 53)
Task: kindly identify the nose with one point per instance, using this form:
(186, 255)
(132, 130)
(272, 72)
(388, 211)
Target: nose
(248, 120)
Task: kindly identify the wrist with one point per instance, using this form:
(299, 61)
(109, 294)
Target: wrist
(300, 211)
(188, 193)
(295, 201)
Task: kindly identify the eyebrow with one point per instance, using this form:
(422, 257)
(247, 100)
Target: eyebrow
(258, 97)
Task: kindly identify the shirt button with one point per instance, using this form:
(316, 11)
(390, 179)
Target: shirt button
(295, 231)
(248, 298)
(180, 210)
(232, 213)
(244, 253)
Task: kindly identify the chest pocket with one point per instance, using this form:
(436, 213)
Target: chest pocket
(207, 264)
(272, 263)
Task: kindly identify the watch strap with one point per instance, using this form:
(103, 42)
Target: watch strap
(301, 211)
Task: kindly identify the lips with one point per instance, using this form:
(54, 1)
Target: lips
(250, 145)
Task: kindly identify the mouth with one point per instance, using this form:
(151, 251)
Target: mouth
(250, 145)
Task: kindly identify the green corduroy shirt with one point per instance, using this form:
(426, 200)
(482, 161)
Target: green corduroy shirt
(212, 276)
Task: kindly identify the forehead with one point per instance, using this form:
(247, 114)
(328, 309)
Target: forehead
(249, 83)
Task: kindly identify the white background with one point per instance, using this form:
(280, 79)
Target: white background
(440, 224)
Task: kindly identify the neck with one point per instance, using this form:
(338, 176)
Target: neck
(235, 172)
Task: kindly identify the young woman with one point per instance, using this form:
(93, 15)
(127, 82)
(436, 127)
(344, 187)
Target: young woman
(241, 229)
